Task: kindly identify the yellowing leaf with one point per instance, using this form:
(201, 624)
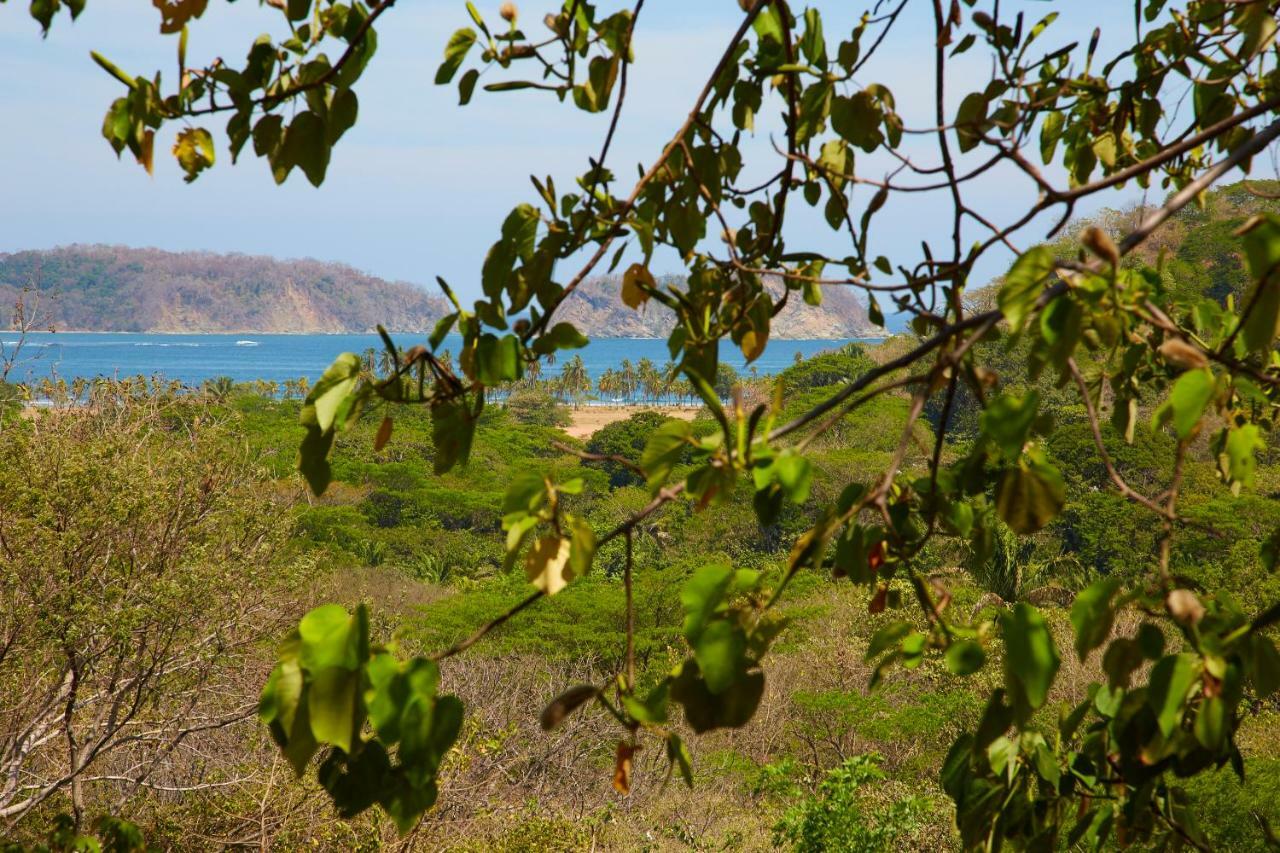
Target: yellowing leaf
(194, 151)
(1028, 497)
(752, 345)
(384, 434)
(146, 152)
(622, 768)
(547, 564)
(174, 14)
(634, 280)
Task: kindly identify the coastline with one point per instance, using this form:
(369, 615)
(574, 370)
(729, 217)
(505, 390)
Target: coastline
(604, 337)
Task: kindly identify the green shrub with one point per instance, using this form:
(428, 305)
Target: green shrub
(837, 817)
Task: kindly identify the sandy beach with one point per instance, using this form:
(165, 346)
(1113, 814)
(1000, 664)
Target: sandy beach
(588, 419)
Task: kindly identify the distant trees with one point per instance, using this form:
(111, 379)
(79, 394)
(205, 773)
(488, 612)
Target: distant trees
(573, 383)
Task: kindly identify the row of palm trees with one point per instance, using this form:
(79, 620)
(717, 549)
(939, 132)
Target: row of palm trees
(59, 391)
(641, 382)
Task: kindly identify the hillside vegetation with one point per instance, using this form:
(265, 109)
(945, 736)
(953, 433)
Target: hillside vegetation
(121, 289)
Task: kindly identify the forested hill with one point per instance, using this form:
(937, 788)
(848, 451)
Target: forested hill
(118, 289)
(597, 308)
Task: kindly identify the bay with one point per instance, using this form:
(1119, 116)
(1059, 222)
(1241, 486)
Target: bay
(192, 359)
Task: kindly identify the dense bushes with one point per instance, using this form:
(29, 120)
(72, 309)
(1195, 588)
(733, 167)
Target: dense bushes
(143, 560)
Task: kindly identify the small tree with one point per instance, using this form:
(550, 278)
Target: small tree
(138, 573)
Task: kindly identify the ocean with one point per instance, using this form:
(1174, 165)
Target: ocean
(192, 359)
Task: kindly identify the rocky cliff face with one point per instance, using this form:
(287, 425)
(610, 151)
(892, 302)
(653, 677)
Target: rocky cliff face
(597, 308)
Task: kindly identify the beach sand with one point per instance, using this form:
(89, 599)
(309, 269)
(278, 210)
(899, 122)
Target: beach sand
(588, 419)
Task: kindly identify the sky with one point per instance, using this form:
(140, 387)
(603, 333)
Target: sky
(420, 186)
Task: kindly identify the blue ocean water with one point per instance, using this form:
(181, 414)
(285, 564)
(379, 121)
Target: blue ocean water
(192, 359)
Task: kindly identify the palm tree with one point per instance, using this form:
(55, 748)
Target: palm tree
(219, 387)
(608, 383)
(386, 361)
(650, 380)
(671, 384)
(627, 375)
(574, 379)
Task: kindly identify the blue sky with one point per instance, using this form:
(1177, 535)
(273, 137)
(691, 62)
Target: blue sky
(420, 186)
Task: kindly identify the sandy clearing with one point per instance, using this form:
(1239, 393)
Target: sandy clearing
(588, 419)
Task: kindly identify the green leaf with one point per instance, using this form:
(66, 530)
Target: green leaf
(886, 638)
(706, 711)
(331, 704)
(1187, 401)
(305, 145)
(858, 119)
(1007, 420)
(1030, 496)
(1211, 723)
(498, 359)
(1031, 658)
(664, 451)
(720, 652)
(558, 337)
(342, 114)
(965, 657)
(970, 120)
(582, 539)
(678, 756)
(1050, 133)
(455, 51)
(1092, 615)
(453, 426)
(1241, 445)
(330, 638)
(701, 596)
(1261, 239)
(330, 392)
(1264, 666)
(653, 709)
(795, 475)
(281, 694)
(313, 458)
(1171, 680)
(467, 86)
(768, 24)
(1023, 285)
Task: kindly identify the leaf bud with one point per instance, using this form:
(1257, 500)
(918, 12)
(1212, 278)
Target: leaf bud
(508, 12)
(1184, 607)
(1101, 244)
(1179, 352)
